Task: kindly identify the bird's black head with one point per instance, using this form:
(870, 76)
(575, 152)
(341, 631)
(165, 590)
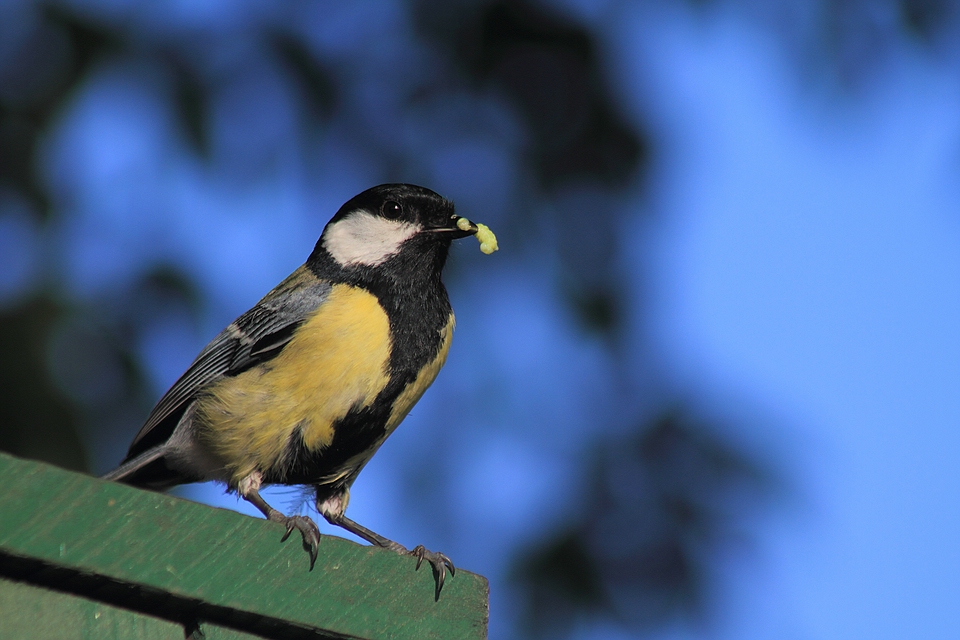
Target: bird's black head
(397, 231)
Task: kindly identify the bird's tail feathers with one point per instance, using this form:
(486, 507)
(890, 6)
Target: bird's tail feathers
(146, 470)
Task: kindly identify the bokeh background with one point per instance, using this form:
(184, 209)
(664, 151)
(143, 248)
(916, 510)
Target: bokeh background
(708, 388)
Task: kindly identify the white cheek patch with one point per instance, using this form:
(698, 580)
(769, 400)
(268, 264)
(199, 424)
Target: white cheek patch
(365, 238)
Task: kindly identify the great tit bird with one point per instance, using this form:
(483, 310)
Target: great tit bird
(303, 388)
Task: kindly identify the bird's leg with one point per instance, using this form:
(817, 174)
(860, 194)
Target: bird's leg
(249, 489)
(439, 561)
(332, 508)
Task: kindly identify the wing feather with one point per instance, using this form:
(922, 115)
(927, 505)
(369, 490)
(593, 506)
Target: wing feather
(256, 336)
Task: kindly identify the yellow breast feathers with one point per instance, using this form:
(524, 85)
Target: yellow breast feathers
(337, 360)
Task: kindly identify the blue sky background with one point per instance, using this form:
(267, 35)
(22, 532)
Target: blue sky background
(809, 266)
(797, 243)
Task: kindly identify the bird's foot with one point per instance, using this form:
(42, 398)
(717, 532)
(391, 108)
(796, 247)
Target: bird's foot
(249, 488)
(307, 528)
(439, 561)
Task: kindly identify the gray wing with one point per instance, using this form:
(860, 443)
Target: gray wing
(257, 336)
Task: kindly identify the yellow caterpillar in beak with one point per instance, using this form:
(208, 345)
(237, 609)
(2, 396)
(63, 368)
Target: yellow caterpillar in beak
(486, 238)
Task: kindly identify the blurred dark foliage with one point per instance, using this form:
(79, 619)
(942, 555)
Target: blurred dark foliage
(656, 504)
(548, 67)
(42, 74)
(317, 85)
(70, 372)
(854, 41)
(36, 420)
(858, 38)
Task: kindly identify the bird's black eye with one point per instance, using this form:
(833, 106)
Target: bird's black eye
(391, 210)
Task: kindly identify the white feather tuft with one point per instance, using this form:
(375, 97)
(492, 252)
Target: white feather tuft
(365, 238)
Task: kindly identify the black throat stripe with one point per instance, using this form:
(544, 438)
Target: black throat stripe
(418, 310)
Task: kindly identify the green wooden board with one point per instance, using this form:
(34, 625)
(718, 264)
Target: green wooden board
(184, 561)
(32, 612)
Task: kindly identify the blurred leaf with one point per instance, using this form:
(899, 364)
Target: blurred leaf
(659, 504)
(563, 583)
(598, 310)
(547, 66)
(191, 102)
(166, 284)
(19, 133)
(28, 108)
(36, 420)
(316, 84)
(90, 42)
(925, 18)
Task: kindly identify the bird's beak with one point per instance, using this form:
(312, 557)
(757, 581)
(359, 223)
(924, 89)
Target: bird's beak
(457, 229)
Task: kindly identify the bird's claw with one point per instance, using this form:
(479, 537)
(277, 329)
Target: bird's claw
(310, 532)
(440, 563)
